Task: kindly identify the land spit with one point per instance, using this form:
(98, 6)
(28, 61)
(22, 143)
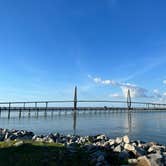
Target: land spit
(98, 150)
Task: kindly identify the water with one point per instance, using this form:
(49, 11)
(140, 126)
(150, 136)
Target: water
(146, 126)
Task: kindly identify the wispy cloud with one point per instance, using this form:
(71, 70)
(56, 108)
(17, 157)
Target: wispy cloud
(136, 91)
(157, 93)
(147, 66)
(164, 82)
(116, 95)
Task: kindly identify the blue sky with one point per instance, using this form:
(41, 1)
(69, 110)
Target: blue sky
(49, 46)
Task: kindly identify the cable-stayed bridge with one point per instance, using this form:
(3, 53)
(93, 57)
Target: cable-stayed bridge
(81, 105)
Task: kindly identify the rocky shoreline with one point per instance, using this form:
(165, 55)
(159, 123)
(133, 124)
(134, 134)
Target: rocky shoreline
(101, 149)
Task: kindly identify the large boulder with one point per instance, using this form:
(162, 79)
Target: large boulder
(111, 142)
(101, 137)
(132, 161)
(129, 147)
(118, 140)
(143, 161)
(140, 151)
(2, 137)
(126, 139)
(156, 159)
(118, 148)
(19, 143)
(124, 155)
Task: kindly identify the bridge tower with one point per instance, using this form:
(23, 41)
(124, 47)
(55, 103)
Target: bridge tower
(75, 98)
(128, 100)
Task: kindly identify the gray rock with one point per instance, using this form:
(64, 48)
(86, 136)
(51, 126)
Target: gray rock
(151, 149)
(156, 148)
(12, 137)
(34, 137)
(101, 137)
(138, 143)
(58, 140)
(149, 144)
(123, 155)
(91, 148)
(118, 148)
(82, 140)
(73, 138)
(63, 140)
(156, 159)
(100, 158)
(98, 143)
(164, 154)
(39, 139)
(7, 135)
(111, 141)
(164, 158)
(106, 144)
(129, 147)
(2, 137)
(18, 143)
(140, 151)
(25, 137)
(143, 161)
(51, 135)
(90, 138)
(126, 139)
(57, 135)
(97, 153)
(50, 140)
(118, 140)
(4, 131)
(132, 161)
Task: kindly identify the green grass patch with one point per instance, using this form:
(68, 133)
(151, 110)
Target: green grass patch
(38, 153)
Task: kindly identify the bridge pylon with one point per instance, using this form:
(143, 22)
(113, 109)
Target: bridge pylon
(75, 98)
(128, 99)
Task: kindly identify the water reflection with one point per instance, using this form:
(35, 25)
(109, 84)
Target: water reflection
(129, 123)
(52, 115)
(74, 121)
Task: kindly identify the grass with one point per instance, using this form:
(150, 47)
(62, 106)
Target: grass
(40, 154)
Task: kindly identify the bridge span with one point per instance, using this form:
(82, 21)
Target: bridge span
(81, 105)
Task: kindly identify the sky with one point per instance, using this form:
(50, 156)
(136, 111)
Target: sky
(105, 47)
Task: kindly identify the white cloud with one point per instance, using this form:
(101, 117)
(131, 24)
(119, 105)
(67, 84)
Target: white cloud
(97, 80)
(164, 81)
(135, 90)
(115, 95)
(105, 82)
(156, 93)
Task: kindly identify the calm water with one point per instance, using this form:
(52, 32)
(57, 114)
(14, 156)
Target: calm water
(145, 126)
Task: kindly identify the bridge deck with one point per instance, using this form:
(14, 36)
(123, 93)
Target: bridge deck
(78, 108)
